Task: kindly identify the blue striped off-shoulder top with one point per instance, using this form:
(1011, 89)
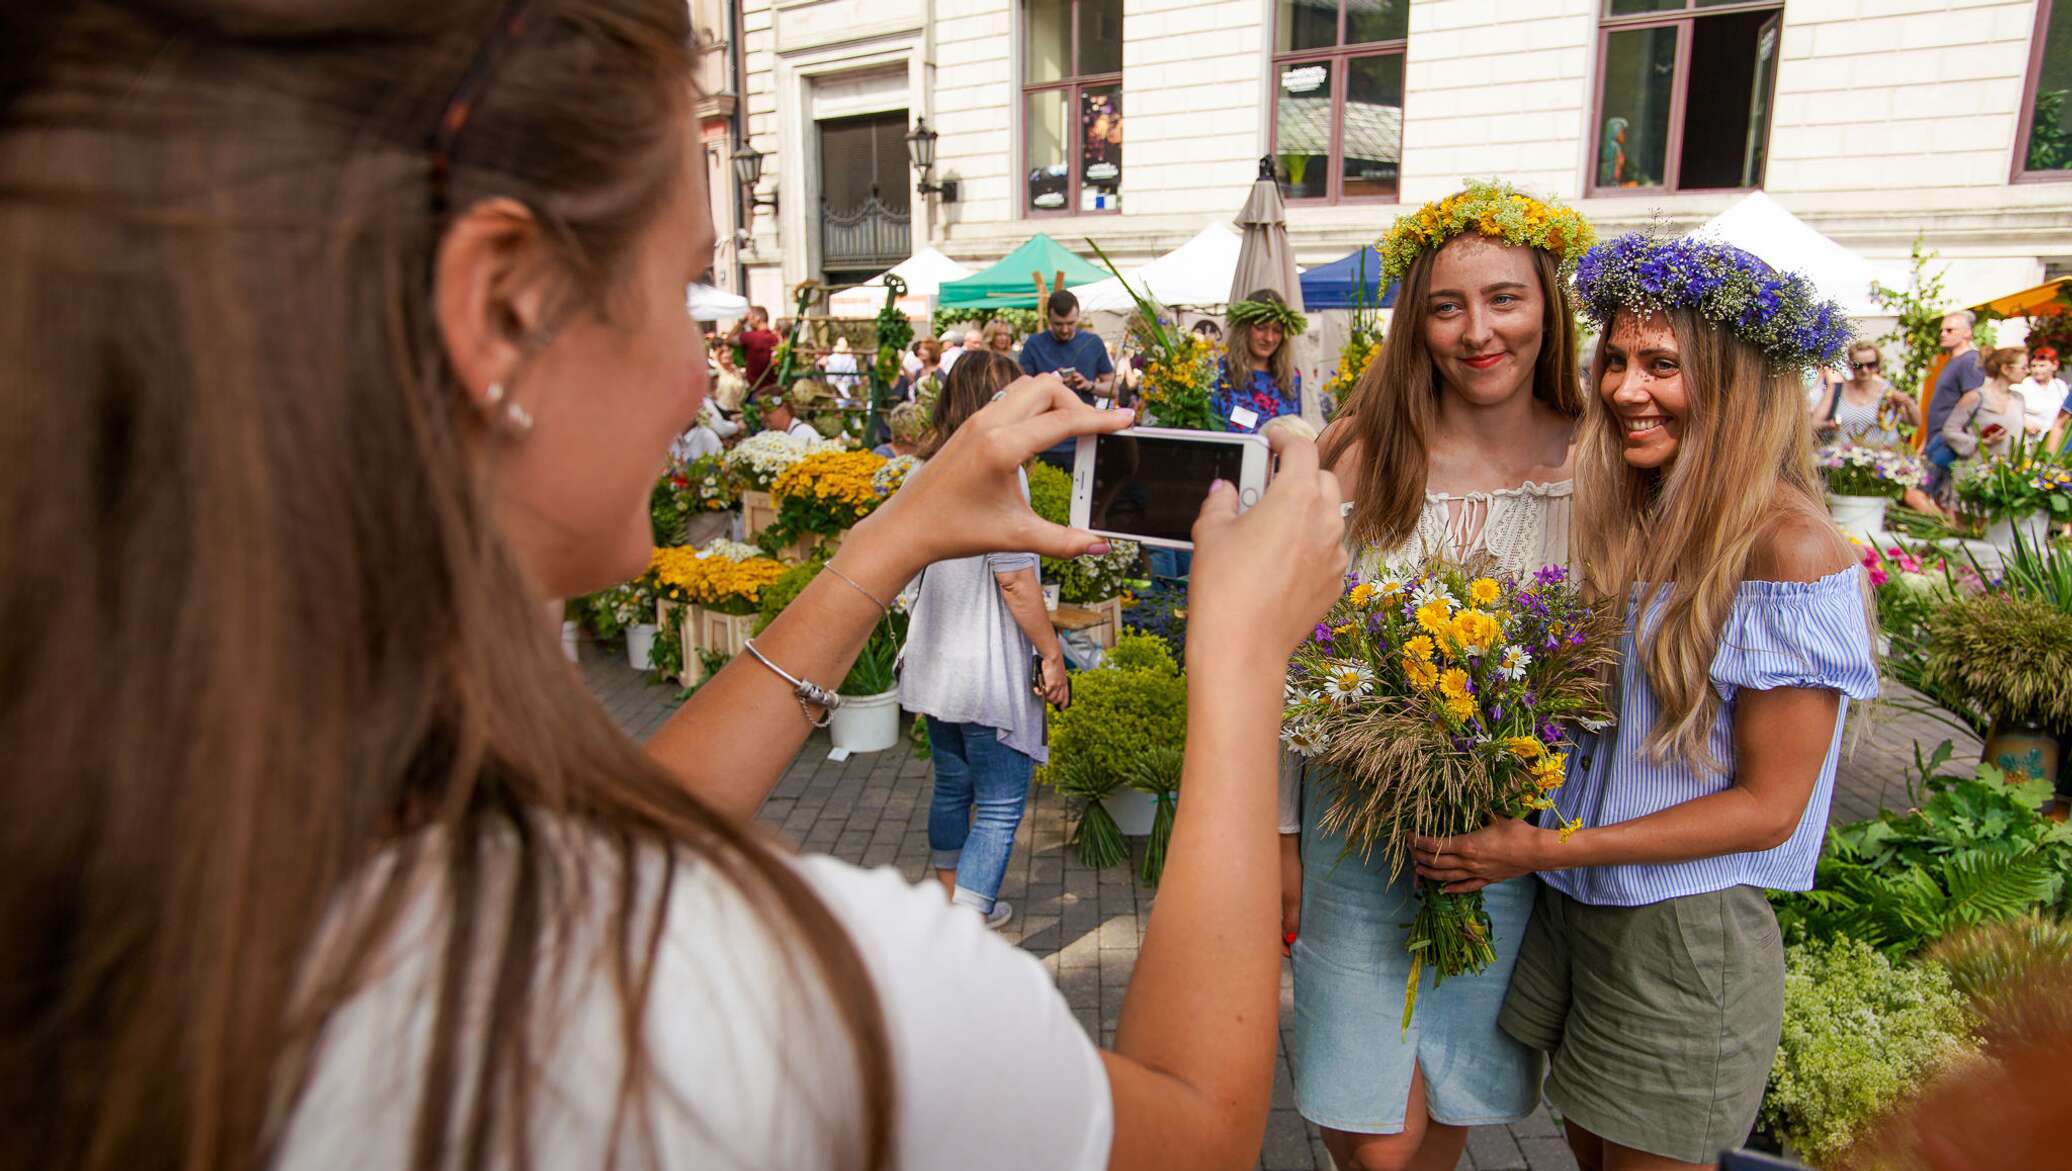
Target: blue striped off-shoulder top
(1778, 634)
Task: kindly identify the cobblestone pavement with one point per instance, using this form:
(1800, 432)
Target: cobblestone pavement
(1085, 925)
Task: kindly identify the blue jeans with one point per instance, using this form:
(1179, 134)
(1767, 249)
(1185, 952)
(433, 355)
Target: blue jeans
(981, 786)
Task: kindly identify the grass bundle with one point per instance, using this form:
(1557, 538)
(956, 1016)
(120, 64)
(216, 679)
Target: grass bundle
(1096, 838)
(2007, 656)
(1157, 774)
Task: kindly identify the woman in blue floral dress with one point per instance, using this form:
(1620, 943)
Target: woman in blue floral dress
(1258, 380)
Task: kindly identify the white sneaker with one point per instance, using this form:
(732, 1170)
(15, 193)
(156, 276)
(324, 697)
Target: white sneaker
(1002, 911)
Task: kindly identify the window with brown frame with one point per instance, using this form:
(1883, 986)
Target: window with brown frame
(1338, 98)
(2047, 113)
(1072, 105)
(1650, 134)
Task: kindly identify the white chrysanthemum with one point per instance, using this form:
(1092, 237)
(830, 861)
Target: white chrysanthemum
(1304, 738)
(729, 550)
(1345, 681)
(1516, 660)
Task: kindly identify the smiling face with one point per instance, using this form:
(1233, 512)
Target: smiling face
(610, 390)
(1484, 318)
(1643, 389)
(1264, 338)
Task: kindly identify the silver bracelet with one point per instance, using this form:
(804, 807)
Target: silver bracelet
(853, 584)
(810, 695)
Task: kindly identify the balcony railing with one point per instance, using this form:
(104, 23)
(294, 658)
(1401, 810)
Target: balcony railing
(870, 236)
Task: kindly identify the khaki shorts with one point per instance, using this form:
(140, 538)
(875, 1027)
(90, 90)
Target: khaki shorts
(1660, 1021)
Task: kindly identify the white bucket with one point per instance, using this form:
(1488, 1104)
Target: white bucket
(640, 641)
(2035, 530)
(571, 634)
(866, 723)
(1132, 810)
(1858, 516)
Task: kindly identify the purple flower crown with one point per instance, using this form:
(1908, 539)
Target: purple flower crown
(1780, 314)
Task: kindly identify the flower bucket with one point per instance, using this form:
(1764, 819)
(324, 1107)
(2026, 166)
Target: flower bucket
(570, 636)
(866, 723)
(714, 632)
(1858, 516)
(640, 640)
(1132, 810)
(2024, 751)
(1104, 635)
(2034, 528)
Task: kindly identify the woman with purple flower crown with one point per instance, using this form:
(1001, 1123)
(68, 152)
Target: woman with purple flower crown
(1460, 446)
(1652, 973)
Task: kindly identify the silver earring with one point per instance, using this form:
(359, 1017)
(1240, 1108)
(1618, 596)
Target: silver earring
(518, 418)
(494, 393)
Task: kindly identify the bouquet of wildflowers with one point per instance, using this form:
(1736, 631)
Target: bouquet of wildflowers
(2028, 480)
(888, 478)
(1439, 699)
(1855, 470)
(1181, 374)
(705, 484)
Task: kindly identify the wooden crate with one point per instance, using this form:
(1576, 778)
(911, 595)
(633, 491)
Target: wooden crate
(713, 631)
(1101, 621)
(757, 513)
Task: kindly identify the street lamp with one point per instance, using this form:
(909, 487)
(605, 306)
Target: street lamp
(921, 149)
(748, 171)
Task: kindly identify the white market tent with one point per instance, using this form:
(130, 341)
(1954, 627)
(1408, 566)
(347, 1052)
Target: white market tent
(1759, 224)
(924, 272)
(1196, 273)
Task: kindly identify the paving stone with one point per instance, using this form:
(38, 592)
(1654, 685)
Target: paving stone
(1493, 1149)
(1287, 1143)
(1547, 1154)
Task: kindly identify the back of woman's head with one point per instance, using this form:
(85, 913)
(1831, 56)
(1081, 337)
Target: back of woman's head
(259, 626)
(969, 386)
(1692, 525)
(1393, 408)
(2008, 363)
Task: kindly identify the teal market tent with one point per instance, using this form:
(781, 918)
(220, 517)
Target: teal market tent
(1011, 284)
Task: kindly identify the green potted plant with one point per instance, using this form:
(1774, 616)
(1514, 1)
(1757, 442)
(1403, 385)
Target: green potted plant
(1862, 482)
(1097, 583)
(2008, 659)
(1132, 705)
(868, 720)
(1860, 1033)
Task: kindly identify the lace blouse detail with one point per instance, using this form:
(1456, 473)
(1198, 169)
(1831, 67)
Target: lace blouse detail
(1524, 528)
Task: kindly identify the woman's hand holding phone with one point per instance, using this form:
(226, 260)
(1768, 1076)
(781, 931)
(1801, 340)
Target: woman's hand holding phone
(1261, 581)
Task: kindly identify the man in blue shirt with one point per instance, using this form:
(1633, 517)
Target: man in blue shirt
(1078, 358)
(1960, 375)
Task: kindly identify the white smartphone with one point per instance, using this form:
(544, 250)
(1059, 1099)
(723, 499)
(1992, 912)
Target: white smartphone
(1147, 484)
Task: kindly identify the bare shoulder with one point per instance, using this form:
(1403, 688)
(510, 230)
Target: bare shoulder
(1798, 543)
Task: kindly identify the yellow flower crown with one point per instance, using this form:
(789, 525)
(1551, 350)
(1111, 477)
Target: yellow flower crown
(1494, 209)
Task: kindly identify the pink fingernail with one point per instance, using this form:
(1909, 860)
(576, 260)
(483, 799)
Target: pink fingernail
(1097, 549)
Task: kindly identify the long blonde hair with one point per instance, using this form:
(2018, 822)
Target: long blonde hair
(1691, 527)
(1398, 402)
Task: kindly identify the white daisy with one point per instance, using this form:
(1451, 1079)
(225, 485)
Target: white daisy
(1595, 725)
(1516, 660)
(1432, 590)
(1346, 681)
(1304, 738)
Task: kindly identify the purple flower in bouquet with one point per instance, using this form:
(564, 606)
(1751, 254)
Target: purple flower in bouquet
(1550, 575)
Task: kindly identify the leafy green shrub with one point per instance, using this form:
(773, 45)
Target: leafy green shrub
(1117, 717)
(1860, 1033)
(779, 594)
(1976, 851)
(1050, 492)
(1141, 652)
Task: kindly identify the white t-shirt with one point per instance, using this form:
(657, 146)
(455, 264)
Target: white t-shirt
(949, 359)
(2042, 402)
(749, 1065)
(800, 429)
(699, 441)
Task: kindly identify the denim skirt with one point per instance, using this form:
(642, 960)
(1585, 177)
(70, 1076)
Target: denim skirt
(1351, 1056)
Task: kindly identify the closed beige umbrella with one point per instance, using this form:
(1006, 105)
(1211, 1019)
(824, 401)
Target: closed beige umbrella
(1265, 261)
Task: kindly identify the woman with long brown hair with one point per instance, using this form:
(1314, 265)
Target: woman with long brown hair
(1459, 448)
(1256, 381)
(1653, 973)
(342, 335)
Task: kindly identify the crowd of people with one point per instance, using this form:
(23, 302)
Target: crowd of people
(320, 854)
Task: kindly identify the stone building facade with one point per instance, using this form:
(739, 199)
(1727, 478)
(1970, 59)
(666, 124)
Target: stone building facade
(1873, 120)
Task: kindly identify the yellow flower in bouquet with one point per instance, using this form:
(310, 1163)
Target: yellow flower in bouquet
(713, 580)
(1463, 720)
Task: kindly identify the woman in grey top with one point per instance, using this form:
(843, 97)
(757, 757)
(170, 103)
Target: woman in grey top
(1986, 420)
(976, 624)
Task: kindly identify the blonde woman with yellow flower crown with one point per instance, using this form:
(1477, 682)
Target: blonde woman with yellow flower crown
(1460, 446)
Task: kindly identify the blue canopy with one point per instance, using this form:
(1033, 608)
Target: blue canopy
(1330, 286)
